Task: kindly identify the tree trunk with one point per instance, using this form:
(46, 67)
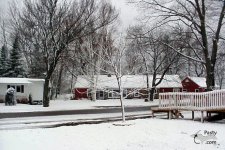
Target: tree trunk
(71, 85)
(93, 94)
(93, 88)
(122, 105)
(46, 98)
(148, 89)
(51, 92)
(46, 93)
(210, 76)
(152, 91)
(58, 88)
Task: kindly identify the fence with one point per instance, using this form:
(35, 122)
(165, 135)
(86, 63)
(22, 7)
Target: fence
(213, 100)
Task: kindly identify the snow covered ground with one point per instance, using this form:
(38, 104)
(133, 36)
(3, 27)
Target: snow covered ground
(55, 105)
(141, 134)
(74, 105)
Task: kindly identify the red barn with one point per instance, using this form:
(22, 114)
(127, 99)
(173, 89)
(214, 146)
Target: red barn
(194, 84)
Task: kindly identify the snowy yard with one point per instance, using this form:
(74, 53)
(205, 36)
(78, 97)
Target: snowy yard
(74, 105)
(60, 105)
(142, 134)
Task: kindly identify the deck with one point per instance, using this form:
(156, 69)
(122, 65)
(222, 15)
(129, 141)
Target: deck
(210, 102)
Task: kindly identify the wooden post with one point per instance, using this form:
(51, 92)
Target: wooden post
(202, 117)
(193, 115)
(170, 114)
(208, 114)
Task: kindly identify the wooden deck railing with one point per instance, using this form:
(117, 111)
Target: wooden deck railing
(213, 100)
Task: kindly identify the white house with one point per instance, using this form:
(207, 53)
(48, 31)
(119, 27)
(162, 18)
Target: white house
(23, 87)
(135, 83)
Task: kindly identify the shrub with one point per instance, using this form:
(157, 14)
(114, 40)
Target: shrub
(22, 100)
(30, 99)
(2, 101)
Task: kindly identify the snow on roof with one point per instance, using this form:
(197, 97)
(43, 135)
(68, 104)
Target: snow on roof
(200, 81)
(36, 80)
(128, 81)
(18, 80)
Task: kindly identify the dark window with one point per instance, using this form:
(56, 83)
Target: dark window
(22, 88)
(136, 94)
(13, 86)
(184, 90)
(124, 93)
(18, 88)
(110, 95)
(196, 90)
(101, 93)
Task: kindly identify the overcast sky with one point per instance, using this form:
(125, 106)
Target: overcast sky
(4, 4)
(127, 12)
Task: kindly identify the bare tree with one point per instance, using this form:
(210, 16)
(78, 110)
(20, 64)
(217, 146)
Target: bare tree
(134, 53)
(157, 57)
(220, 68)
(98, 53)
(198, 15)
(50, 26)
(89, 52)
(114, 59)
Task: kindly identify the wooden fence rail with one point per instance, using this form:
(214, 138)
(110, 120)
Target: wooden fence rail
(205, 101)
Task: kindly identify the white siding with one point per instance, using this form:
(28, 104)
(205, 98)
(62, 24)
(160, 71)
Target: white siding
(31, 86)
(37, 88)
(3, 88)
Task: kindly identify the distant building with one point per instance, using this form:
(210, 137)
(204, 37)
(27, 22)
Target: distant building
(23, 87)
(194, 84)
(133, 86)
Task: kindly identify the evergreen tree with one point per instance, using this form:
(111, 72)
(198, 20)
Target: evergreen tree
(37, 65)
(3, 61)
(16, 67)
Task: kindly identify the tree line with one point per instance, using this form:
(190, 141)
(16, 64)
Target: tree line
(58, 40)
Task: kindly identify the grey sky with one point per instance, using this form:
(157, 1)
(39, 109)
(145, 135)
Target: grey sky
(3, 5)
(127, 12)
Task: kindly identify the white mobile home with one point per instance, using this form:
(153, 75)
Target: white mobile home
(23, 87)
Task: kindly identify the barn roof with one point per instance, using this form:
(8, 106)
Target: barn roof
(128, 81)
(200, 81)
(18, 80)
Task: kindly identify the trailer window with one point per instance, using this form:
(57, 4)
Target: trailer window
(18, 88)
(8, 86)
(22, 88)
